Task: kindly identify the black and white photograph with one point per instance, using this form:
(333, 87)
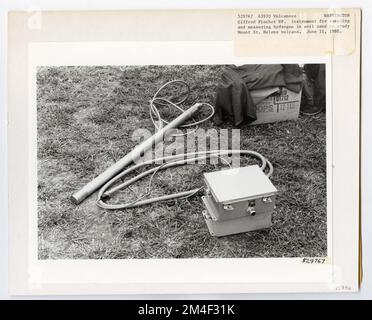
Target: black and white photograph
(181, 161)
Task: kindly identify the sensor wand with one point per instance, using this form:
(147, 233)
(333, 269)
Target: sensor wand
(131, 157)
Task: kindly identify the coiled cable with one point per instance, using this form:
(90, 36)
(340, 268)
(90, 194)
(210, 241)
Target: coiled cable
(168, 162)
(157, 100)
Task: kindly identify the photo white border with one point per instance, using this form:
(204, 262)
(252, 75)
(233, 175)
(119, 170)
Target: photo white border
(153, 275)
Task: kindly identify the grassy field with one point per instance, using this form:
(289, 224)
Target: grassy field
(86, 118)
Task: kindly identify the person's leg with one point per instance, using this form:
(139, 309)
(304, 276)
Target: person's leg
(309, 104)
(307, 90)
(320, 88)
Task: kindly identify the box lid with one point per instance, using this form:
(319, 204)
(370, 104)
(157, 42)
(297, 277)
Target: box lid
(237, 184)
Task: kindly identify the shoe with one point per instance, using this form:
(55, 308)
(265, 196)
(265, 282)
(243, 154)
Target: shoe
(310, 110)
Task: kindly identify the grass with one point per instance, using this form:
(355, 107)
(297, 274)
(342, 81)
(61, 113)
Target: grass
(86, 118)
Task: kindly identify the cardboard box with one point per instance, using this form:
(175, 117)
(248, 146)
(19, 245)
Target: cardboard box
(281, 106)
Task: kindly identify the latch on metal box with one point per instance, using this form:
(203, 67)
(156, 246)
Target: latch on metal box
(238, 200)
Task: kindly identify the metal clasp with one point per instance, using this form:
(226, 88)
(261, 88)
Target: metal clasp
(228, 207)
(267, 200)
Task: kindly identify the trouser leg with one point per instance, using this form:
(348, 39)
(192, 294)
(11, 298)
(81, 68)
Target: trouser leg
(307, 90)
(320, 87)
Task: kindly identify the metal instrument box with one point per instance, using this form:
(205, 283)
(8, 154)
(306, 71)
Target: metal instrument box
(238, 200)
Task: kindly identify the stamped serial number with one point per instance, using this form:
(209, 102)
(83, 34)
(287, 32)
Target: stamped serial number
(314, 260)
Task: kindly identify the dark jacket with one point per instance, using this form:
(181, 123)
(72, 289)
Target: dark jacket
(233, 99)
